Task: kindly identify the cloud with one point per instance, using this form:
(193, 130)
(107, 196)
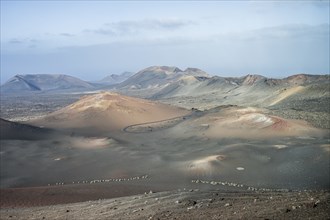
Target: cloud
(102, 31)
(32, 46)
(150, 24)
(15, 41)
(126, 27)
(295, 30)
(321, 3)
(22, 41)
(66, 35)
(291, 31)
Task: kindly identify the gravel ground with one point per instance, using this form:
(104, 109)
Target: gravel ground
(189, 204)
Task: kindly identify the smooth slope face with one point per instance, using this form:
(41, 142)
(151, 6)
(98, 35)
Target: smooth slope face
(109, 112)
(43, 82)
(286, 93)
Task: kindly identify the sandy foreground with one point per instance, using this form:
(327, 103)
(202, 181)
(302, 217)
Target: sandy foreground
(188, 204)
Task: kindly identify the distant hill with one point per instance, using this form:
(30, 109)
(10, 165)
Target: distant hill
(43, 82)
(232, 88)
(194, 88)
(158, 77)
(115, 78)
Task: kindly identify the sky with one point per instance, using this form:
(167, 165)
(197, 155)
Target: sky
(92, 39)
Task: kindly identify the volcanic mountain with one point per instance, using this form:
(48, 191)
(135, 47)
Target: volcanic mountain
(158, 77)
(115, 78)
(43, 82)
(195, 88)
(108, 111)
(249, 84)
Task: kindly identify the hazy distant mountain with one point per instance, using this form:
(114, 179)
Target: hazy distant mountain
(235, 86)
(158, 77)
(115, 78)
(43, 82)
(164, 82)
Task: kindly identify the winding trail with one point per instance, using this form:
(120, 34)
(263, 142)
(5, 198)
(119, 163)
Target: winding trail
(184, 117)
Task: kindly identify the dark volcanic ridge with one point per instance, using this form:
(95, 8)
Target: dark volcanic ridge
(18, 131)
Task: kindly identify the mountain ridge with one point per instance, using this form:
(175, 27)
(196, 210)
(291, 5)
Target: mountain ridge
(43, 82)
(157, 82)
(116, 78)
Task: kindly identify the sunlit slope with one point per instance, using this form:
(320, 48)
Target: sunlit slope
(108, 111)
(244, 122)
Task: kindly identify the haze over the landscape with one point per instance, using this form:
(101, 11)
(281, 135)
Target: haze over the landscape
(271, 38)
(165, 110)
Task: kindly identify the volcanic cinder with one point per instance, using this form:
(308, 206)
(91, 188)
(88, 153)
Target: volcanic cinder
(248, 134)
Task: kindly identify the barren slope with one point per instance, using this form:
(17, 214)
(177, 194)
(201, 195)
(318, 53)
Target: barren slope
(243, 122)
(18, 131)
(151, 80)
(109, 112)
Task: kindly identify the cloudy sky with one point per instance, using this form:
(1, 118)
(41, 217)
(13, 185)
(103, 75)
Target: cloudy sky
(91, 39)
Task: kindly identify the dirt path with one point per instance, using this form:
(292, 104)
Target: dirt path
(183, 117)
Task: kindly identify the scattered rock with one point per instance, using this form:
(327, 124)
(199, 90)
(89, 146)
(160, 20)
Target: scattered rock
(316, 203)
(190, 207)
(190, 203)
